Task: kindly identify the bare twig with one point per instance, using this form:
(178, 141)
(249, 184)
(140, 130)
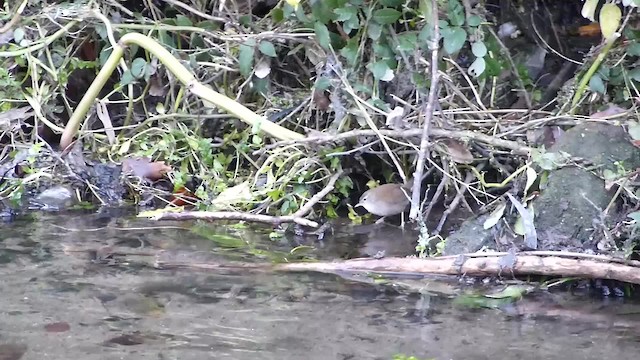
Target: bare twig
(436, 195)
(433, 97)
(319, 196)
(195, 11)
(463, 135)
(297, 217)
(514, 69)
(360, 103)
(454, 203)
(15, 19)
(234, 215)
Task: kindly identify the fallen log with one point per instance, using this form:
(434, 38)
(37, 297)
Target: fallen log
(550, 264)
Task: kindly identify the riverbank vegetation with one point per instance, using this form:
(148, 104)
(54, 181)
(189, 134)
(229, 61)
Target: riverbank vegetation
(285, 112)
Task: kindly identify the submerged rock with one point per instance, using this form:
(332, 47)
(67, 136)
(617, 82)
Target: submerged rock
(55, 198)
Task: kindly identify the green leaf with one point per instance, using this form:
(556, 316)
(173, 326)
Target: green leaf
(208, 25)
(454, 39)
(635, 74)
(302, 17)
(511, 292)
(386, 16)
(381, 70)
(182, 20)
(245, 20)
(127, 78)
(267, 48)
(350, 51)
(634, 130)
(634, 49)
(245, 58)
(494, 217)
(322, 34)
(138, 67)
(277, 15)
(455, 13)
(322, 11)
(635, 216)
(104, 55)
(374, 31)
(18, 35)
(166, 39)
(589, 9)
(392, 3)
(474, 20)
(477, 68)
(424, 8)
(479, 49)
(322, 84)
(407, 41)
(596, 84)
(287, 10)
(425, 35)
(346, 13)
(610, 18)
(383, 50)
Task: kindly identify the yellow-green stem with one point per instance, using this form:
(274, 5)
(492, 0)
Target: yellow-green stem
(582, 87)
(184, 76)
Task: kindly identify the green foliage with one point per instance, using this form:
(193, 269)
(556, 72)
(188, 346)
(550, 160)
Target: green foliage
(619, 74)
(404, 357)
(10, 89)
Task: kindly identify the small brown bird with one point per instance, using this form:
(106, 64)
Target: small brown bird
(386, 200)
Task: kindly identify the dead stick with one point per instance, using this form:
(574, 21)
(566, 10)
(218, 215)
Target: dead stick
(297, 217)
(319, 196)
(436, 196)
(454, 204)
(450, 265)
(433, 97)
(463, 135)
(525, 265)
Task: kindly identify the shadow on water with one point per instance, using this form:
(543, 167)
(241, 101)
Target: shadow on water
(61, 305)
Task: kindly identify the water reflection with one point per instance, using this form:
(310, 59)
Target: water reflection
(58, 305)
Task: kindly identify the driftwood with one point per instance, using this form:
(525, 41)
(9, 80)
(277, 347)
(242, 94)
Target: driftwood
(524, 265)
(549, 263)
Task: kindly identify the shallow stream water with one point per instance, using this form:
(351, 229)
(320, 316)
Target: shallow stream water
(62, 304)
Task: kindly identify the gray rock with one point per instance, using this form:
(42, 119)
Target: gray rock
(57, 197)
(574, 197)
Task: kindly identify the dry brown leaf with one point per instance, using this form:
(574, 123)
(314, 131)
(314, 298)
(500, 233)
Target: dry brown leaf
(156, 86)
(612, 110)
(14, 118)
(458, 152)
(105, 118)
(546, 136)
